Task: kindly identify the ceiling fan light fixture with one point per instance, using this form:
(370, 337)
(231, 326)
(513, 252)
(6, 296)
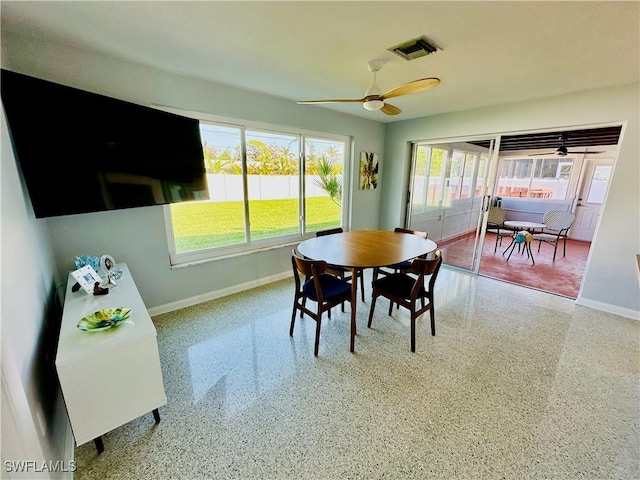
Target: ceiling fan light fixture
(374, 104)
(374, 99)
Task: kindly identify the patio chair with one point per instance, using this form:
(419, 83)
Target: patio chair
(558, 223)
(495, 224)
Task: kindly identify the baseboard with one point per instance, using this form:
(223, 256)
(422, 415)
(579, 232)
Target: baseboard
(609, 308)
(205, 297)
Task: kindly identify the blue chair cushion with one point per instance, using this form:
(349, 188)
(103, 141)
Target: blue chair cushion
(332, 287)
(398, 284)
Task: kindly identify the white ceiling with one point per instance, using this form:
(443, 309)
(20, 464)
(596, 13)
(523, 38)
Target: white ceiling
(492, 52)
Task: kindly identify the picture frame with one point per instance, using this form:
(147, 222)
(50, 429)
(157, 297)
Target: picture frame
(107, 264)
(86, 278)
(368, 170)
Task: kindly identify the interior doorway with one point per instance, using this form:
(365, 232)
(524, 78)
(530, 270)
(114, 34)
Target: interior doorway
(572, 176)
(450, 195)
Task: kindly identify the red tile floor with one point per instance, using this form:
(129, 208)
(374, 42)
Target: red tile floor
(562, 277)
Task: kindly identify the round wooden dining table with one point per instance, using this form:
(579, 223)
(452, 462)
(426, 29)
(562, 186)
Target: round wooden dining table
(359, 249)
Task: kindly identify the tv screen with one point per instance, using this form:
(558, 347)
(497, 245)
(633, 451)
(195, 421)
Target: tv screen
(81, 152)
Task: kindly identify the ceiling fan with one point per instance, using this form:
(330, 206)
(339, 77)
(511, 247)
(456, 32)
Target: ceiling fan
(374, 99)
(562, 150)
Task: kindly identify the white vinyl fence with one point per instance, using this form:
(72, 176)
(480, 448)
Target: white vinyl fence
(224, 187)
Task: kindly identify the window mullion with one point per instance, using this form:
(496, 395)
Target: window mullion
(245, 185)
(302, 172)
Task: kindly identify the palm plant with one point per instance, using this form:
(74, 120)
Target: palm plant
(328, 180)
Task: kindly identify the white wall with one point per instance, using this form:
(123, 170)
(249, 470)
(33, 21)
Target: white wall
(34, 419)
(144, 246)
(611, 280)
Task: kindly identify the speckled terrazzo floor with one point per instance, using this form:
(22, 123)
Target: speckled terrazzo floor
(516, 384)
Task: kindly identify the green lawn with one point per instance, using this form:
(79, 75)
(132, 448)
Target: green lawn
(202, 225)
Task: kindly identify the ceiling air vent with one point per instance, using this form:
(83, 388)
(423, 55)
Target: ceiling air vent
(416, 48)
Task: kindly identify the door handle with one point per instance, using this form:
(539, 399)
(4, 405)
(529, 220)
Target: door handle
(486, 201)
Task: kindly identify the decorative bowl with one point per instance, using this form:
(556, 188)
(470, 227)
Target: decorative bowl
(104, 319)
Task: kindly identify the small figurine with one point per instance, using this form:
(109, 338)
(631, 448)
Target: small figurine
(97, 290)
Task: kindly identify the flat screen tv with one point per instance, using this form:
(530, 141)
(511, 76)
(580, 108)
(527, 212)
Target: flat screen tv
(81, 152)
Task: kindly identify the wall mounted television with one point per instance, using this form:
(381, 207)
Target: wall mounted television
(81, 152)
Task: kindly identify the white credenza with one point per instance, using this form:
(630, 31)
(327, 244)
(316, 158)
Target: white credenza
(109, 377)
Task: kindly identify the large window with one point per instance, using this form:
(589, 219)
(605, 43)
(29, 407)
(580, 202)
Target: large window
(266, 188)
(545, 178)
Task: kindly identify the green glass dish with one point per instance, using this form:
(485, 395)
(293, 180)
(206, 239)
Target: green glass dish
(104, 319)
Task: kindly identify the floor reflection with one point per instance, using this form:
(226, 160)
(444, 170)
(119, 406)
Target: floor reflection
(247, 361)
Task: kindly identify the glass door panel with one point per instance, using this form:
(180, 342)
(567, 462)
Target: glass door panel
(448, 198)
(427, 190)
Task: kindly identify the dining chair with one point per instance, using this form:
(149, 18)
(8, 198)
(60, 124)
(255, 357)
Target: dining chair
(404, 267)
(558, 223)
(339, 271)
(406, 290)
(319, 286)
(495, 224)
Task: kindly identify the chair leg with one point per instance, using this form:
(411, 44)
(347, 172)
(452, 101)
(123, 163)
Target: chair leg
(373, 306)
(564, 252)
(361, 275)
(413, 333)
(317, 344)
(432, 316)
(555, 249)
(391, 306)
(293, 319)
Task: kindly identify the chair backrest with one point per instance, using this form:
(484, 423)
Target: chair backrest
(496, 216)
(330, 231)
(558, 220)
(309, 268)
(412, 232)
(424, 267)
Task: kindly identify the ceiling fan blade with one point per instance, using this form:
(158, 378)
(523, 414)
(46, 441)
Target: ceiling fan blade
(390, 109)
(540, 154)
(343, 100)
(584, 153)
(412, 87)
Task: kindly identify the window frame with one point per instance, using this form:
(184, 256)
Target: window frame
(178, 260)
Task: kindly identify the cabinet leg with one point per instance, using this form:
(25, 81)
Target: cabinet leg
(156, 415)
(99, 444)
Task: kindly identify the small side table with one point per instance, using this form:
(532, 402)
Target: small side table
(522, 236)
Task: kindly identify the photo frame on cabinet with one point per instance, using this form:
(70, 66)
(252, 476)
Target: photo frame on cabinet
(107, 264)
(86, 278)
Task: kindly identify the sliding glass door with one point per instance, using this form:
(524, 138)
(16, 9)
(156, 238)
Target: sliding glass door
(449, 196)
